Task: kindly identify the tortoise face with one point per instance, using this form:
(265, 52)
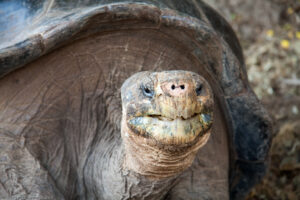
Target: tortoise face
(171, 107)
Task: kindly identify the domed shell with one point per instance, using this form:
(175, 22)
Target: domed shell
(31, 29)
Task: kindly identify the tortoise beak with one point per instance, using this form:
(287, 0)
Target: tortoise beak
(172, 131)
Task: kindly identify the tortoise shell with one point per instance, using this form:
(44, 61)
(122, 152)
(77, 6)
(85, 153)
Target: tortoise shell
(199, 34)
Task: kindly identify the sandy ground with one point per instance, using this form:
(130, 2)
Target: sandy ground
(269, 31)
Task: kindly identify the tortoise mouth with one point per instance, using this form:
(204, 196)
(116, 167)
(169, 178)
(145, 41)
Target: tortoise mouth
(177, 130)
(165, 118)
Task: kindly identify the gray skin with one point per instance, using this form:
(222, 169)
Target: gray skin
(108, 166)
(61, 71)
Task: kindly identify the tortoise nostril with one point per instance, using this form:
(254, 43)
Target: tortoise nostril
(173, 87)
(182, 87)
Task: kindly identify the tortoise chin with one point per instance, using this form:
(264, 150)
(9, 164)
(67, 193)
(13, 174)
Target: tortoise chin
(171, 130)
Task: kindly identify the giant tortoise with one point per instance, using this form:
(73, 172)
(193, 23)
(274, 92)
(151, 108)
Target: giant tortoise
(135, 99)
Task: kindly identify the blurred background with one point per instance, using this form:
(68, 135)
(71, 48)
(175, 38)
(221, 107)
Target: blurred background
(269, 31)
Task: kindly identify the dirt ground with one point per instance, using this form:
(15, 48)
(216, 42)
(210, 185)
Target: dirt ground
(269, 31)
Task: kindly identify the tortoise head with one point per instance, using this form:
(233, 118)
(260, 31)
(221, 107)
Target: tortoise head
(168, 113)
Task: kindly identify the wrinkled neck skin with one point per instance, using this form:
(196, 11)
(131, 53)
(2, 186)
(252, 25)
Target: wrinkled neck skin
(154, 160)
(131, 169)
(105, 177)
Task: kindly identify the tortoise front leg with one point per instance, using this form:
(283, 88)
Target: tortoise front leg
(21, 175)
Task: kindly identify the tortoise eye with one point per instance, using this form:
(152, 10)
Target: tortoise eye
(147, 91)
(199, 89)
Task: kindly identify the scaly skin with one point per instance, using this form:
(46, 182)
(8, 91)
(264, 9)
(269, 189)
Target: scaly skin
(167, 117)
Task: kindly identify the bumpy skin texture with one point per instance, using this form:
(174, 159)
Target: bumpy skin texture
(167, 117)
(60, 114)
(160, 98)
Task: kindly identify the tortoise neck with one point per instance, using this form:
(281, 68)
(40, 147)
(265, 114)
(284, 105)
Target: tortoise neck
(110, 180)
